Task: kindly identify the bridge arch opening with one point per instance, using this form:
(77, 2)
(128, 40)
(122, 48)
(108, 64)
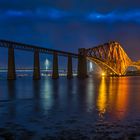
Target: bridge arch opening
(95, 68)
(103, 68)
(132, 70)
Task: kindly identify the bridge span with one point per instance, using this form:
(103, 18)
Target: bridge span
(111, 58)
(11, 45)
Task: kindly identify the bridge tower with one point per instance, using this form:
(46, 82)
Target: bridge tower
(69, 67)
(55, 73)
(82, 63)
(11, 64)
(36, 73)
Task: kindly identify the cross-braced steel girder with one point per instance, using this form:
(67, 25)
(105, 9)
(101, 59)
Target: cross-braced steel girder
(110, 57)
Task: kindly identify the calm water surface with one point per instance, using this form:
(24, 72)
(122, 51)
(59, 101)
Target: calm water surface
(50, 107)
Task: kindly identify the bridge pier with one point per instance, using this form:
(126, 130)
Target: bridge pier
(82, 64)
(36, 73)
(11, 64)
(69, 67)
(55, 73)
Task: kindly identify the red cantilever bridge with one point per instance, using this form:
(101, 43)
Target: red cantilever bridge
(110, 57)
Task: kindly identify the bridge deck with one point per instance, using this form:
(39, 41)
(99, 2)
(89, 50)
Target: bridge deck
(27, 47)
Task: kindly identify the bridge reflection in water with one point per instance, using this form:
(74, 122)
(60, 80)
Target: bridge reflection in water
(78, 104)
(114, 96)
(108, 95)
(102, 97)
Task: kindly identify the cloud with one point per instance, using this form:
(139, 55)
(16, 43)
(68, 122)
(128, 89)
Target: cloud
(70, 24)
(42, 13)
(50, 13)
(16, 13)
(131, 16)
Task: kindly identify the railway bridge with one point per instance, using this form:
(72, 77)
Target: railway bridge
(110, 57)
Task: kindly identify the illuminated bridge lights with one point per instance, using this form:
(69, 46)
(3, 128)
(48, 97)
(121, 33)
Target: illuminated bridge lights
(103, 74)
(111, 58)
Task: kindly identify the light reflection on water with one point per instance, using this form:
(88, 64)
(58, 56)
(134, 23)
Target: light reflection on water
(122, 98)
(102, 97)
(93, 98)
(114, 96)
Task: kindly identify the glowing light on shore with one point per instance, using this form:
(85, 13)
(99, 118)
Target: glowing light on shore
(90, 66)
(47, 63)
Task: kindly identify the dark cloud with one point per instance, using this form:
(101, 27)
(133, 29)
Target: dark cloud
(72, 24)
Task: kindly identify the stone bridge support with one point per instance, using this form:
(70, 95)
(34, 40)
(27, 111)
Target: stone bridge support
(36, 72)
(55, 73)
(82, 64)
(11, 75)
(69, 67)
